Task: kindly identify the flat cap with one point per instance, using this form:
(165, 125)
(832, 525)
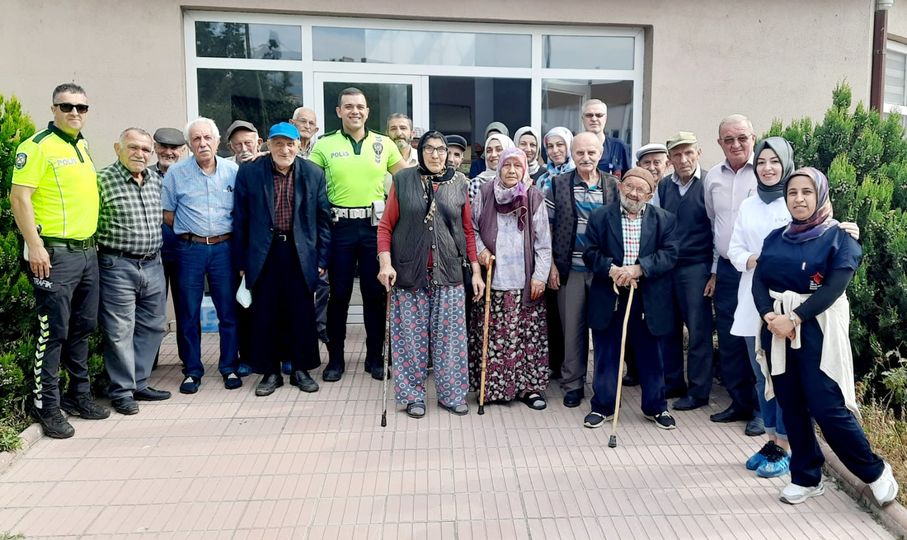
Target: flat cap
(240, 125)
(682, 137)
(169, 136)
(639, 172)
(456, 140)
(650, 148)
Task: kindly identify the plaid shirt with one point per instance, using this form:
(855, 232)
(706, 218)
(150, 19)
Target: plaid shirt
(131, 215)
(631, 229)
(283, 200)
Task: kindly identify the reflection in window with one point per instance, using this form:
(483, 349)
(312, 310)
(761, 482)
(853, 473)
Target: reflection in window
(466, 105)
(422, 48)
(562, 102)
(896, 78)
(260, 97)
(383, 100)
(588, 52)
(243, 40)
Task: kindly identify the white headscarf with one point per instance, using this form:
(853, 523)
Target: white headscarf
(534, 164)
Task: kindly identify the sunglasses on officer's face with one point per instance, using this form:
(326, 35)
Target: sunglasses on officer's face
(68, 107)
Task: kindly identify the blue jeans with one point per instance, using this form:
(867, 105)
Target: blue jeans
(771, 411)
(132, 315)
(195, 262)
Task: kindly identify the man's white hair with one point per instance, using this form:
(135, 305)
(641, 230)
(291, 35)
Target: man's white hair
(590, 102)
(202, 120)
(735, 119)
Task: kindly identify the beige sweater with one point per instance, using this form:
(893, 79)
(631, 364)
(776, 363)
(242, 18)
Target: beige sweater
(837, 356)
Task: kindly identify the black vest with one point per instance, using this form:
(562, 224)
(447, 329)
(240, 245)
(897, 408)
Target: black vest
(416, 233)
(694, 228)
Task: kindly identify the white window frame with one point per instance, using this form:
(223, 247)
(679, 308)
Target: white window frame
(900, 108)
(308, 67)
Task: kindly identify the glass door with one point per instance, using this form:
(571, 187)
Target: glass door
(386, 95)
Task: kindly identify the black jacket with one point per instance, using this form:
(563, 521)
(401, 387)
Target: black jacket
(657, 257)
(253, 218)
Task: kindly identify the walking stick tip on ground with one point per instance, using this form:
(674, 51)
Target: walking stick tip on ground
(612, 442)
(384, 419)
(481, 409)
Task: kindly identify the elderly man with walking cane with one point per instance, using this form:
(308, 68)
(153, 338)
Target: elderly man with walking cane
(630, 244)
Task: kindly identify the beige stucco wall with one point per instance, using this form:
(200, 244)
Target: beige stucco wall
(709, 58)
(897, 21)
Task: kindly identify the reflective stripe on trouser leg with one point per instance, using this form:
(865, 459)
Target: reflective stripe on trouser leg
(40, 348)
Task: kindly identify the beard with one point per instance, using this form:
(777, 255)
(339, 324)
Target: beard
(632, 207)
(402, 143)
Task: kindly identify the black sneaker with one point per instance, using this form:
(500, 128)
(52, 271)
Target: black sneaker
(85, 407)
(594, 420)
(53, 424)
(663, 420)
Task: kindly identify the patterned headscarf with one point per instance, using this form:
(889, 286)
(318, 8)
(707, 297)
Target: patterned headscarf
(785, 154)
(821, 220)
(512, 200)
(568, 165)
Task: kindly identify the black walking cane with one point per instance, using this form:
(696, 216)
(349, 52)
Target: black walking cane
(387, 357)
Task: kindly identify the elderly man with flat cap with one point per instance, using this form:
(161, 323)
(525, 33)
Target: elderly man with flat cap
(682, 195)
(653, 157)
(282, 231)
(244, 142)
(630, 244)
(456, 149)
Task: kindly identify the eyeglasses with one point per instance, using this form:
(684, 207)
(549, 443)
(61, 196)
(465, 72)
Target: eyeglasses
(68, 107)
(630, 189)
(742, 139)
(435, 150)
(594, 115)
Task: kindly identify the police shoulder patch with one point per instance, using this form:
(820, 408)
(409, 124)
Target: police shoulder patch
(21, 160)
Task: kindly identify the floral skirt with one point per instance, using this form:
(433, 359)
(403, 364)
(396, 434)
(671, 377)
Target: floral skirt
(517, 347)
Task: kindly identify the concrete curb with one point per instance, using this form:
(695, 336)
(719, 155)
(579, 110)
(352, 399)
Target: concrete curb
(29, 436)
(893, 517)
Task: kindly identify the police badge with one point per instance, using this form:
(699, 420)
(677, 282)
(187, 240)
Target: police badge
(21, 159)
(378, 147)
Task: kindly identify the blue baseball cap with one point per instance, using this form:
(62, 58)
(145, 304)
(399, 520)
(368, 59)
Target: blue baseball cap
(283, 129)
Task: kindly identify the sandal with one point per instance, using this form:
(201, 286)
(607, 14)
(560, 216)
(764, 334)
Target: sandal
(534, 401)
(415, 409)
(460, 410)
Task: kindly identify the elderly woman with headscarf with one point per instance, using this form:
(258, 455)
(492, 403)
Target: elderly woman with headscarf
(511, 223)
(799, 289)
(558, 146)
(758, 216)
(424, 238)
(494, 146)
(527, 140)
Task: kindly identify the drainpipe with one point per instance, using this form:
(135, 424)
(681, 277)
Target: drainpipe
(879, 44)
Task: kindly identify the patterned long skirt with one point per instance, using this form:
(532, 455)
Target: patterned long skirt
(429, 322)
(517, 347)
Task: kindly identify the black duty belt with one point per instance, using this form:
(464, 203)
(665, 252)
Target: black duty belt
(76, 245)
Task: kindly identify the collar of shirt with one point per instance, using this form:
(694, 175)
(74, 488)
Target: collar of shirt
(350, 137)
(697, 174)
(578, 181)
(63, 135)
(278, 173)
(726, 165)
(126, 174)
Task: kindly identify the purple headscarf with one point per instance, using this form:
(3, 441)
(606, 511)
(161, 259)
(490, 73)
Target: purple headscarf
(821, 220)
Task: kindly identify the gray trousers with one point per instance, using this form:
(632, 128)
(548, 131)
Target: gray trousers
(571, 301)
(67, 306)
(133, 318)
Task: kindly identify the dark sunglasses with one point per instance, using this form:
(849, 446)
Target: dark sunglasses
(68, 107)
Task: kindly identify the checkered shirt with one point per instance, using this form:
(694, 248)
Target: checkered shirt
(632, 230)
(130, 216)
(283, 200)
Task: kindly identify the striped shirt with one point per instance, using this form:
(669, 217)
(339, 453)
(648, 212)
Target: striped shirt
(588, 199)
(130, 214)
(632, 230)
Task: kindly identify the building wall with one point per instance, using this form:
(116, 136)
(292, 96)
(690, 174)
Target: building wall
(776, 59)
(897, 21)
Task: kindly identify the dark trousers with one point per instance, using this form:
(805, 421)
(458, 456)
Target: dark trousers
(354, 243)
(196, 261)
(555, 332)
(648, 360)
(282, 314)
(322, 293)
(805, 393)
(170, 287)
(736, 372)
(695, 311)
(67, 307)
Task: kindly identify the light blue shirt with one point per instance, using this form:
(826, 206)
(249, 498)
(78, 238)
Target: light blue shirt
(201, 203)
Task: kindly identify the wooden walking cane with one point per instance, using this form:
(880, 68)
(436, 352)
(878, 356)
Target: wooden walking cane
(485, 334)
(387, 357)
(612, 441)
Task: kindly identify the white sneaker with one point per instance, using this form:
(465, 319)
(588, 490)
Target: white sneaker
(794, 494)
(885, 489)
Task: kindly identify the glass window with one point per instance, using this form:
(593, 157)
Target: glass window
(383, 100)
(466, 105)
(422, 48)
(896, 78)
(243, 40)
(260, 97)
(588, 52)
